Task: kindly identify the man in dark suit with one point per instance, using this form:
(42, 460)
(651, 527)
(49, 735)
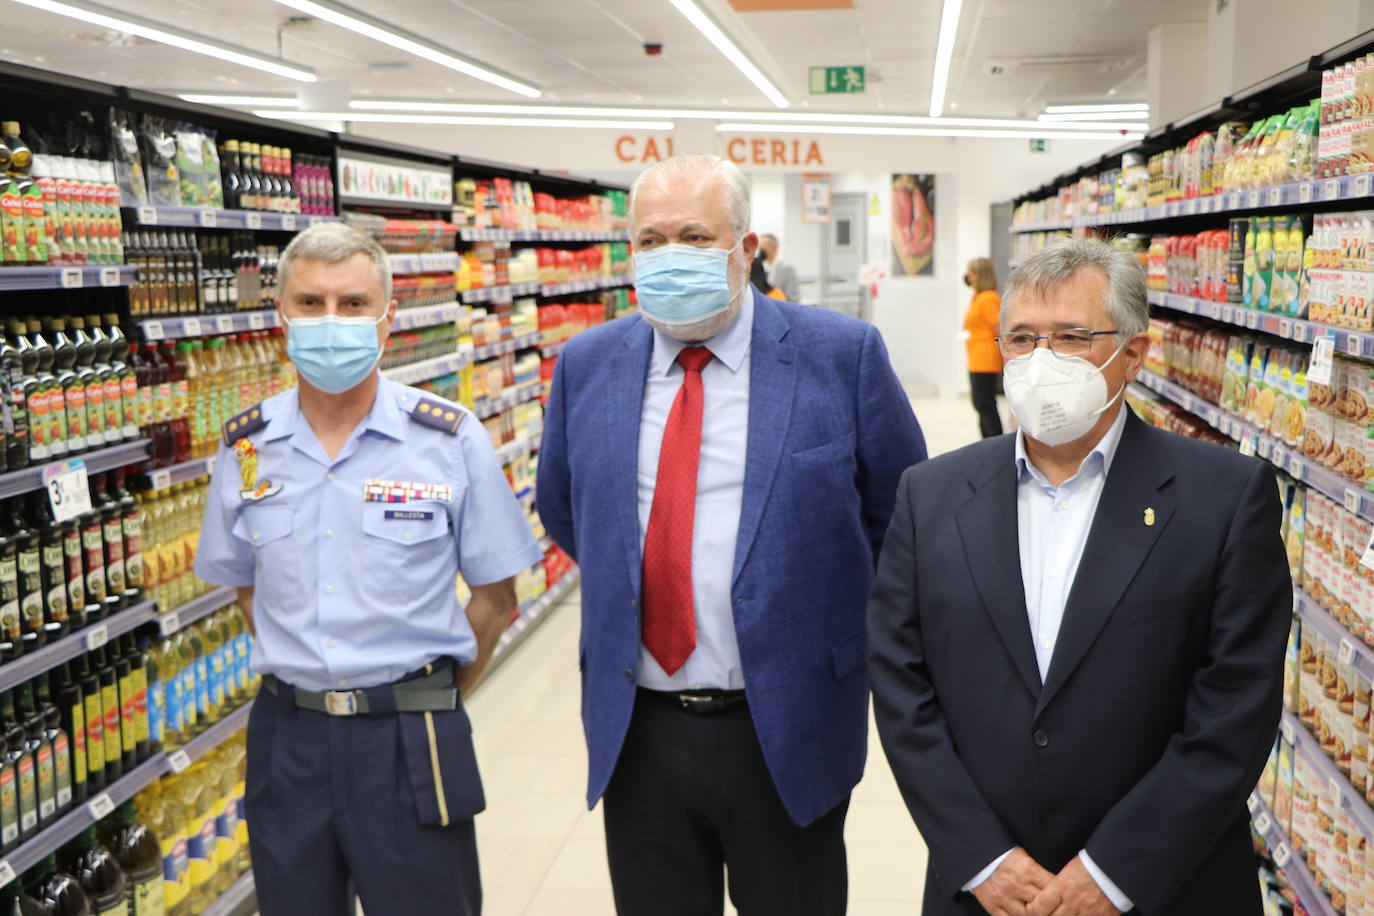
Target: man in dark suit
(1077, 630)
(722, 466)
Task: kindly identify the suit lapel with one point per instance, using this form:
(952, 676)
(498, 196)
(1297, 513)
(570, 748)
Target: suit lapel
(772, 382)
(1118, 542)
(624, 403)
(987, 526)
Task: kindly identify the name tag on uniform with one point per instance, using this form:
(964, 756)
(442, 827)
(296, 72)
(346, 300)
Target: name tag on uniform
(409, 515)
(403, 491)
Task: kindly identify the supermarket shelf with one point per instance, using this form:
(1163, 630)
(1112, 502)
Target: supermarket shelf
(582, 286)
(210, 218)
(184, 615)
(490, 407)
(431, 263)
(1309, 748)
(1294, 867)
(542, 235)
(412, 373)
(427, 316)
(62, 831)
(162, 478)
(553, 350)
(383, 203)
(526, 499)
(238, 895)
(500, 293)
(25, 480)
(1334, 632)
(1047, 226)
(175, 327)
(523, 342)
(532, 614)
(21, 278)
(1347, 492)
(1349, 342)
(514, 449)
(28, 666)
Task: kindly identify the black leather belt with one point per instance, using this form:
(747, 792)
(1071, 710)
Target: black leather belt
(701, 702)
(432, 689)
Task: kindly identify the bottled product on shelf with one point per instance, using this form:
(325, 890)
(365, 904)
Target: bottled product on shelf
(185, 272)
(500, 203)
(405, 347)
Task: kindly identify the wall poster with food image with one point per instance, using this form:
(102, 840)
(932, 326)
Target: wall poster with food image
(913, 225)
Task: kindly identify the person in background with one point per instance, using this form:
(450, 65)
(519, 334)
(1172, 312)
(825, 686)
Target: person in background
(1077, 632)
(980, 342)
(342, 511)
(780, 273)
(758, 276)
(722, 467)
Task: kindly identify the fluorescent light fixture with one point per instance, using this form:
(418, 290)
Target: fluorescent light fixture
(246, 101)
(1097, 124)
(1105, 117)
(1122, 108)
(707, 27)
(375, 29)
(745, 128)
(118, 21)
(944, 54)
(463, 120)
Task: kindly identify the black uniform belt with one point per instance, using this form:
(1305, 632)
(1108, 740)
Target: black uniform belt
(429, 690)
(700, 702)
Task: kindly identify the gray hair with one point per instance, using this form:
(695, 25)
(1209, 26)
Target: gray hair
(1047, 270)
(332, 243)
(701, 166)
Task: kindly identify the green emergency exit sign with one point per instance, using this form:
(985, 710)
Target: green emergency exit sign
(826, 80)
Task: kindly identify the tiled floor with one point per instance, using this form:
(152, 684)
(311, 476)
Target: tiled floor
(543, 853)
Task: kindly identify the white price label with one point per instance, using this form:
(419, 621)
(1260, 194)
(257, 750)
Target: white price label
(211, 463)
(1319, 368)
(1367, 558)
(257, 321)
(1275, 196)
(168, 623)
(253, 220)
(1288, 734)
(96, 637)
(72, 278)
(1354, 344)
(101, 807)
(1281, 855)
(161, 479)
(1190, 206)
(153, 330)
(1252, 199)
(288, 222)
(1285, 327)
(1173, 211)
(1216, 311)
(69, 490)
(1305, 192)
(1352, 501)
(1264, 822)
(190, 327)
(1252, 320)
(1247, 445)
(208, 219)
(1333, 789)
(109, 276)
(1295, 466)
(224, 324)
(1277, 457)
(1262, 448)
(6, 873)
(1331, 189)
(1228, 314)
(1346, 654)
(1253, 802)
(147, 216)
(179, 761)
(1360, 186)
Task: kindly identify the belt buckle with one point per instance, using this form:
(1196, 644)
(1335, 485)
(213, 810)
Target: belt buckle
(695, 703)
(341, 703)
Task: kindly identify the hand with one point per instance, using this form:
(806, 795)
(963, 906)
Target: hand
(1015, 883)
(1072, 892)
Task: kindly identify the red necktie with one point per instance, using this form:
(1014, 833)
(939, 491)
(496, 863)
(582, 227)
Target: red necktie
(670, 631)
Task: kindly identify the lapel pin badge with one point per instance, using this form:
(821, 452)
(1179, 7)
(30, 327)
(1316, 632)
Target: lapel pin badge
(1149, 516)
(253, 489)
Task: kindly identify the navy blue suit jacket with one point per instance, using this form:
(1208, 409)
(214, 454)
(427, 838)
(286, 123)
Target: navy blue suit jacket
(830, 432)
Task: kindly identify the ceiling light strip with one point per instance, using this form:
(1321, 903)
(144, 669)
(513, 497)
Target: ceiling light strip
(143, 28)
(461, 120)
(368, 27)
(730, 127)
(1110, 108)
(1099, 117)
(713, 33)
(944, 55)
(244, 101)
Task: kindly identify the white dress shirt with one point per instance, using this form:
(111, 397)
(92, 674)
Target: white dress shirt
(715, 663)
(1052, 525)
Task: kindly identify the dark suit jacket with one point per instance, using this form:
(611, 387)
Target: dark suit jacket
(1162, 698)
(830, 432)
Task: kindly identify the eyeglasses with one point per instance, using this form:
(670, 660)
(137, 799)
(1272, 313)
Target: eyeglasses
(1063, 342)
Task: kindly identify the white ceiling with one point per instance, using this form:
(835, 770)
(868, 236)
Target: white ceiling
(591, 51)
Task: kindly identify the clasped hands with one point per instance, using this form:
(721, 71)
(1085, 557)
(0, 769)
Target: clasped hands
(1020, 887)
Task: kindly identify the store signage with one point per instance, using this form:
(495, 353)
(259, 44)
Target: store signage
(828, 80)
(652, 149)
(394, 180)
(762, 151)
(815, 197)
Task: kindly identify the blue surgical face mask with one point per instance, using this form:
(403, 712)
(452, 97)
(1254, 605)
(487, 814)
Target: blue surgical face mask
(682, 284)
(332, 352)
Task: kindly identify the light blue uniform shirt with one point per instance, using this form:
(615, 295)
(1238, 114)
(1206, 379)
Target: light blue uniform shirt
(354, 593)
(720, 495)
(1052, 524)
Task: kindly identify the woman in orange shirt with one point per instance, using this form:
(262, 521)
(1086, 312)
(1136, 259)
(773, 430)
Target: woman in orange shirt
(980, 333)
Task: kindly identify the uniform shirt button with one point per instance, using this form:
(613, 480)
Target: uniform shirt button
(330, 644)
(329, 589)
(630, 675)
(1041, 739)
(329, 476)
(406, 535)
(343, 682)
(257, 535)
(329, 532)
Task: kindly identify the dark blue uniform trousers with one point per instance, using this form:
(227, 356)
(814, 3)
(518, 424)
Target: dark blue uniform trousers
(329, 799)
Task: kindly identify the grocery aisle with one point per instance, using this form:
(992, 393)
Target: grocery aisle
(543, 853)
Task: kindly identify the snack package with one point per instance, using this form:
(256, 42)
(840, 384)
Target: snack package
(1262, 287)
(1302, 154)
(1283, 788)
(1291, 666)
(190, 162)
(214, 185)
(128, 167)
(159, 162)
(1269, 776)
(1293, 545)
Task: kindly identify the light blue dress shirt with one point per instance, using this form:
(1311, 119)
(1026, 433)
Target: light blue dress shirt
(352, 593)
(720, 496)
(1052, 525)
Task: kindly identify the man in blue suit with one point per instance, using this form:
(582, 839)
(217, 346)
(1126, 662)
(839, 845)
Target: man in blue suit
(723, 467)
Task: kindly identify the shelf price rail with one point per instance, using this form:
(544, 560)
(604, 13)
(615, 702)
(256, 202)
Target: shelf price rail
(1291, 864)
(1348, 341)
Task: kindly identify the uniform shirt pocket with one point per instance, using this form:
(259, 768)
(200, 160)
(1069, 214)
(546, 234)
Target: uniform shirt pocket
(402, 539)
(405, 524)
(267, 531)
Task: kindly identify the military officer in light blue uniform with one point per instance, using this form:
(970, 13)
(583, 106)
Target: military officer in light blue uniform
(342, 512)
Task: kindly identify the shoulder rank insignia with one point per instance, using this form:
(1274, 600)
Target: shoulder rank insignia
(252, 489)
(250, 421)
(438, 415)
